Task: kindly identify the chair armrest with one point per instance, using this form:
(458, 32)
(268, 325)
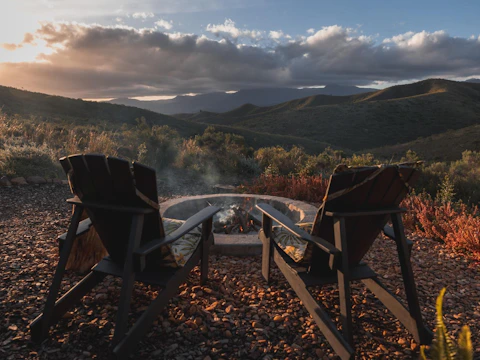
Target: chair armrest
(388, 232)
(289, 225)
(120, 208)
(83, 228)
(192, 222)
(385, 211)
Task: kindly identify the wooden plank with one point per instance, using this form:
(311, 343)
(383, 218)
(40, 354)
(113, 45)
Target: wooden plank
(392, 304)
(122, 178)
(59, 271)
(380, 211)
(142, 325)
(128, 279)
(100, 175)
(357, 273)
(67, 301)
(83, 227)
(205, 249)
(192, 222)
(159, 277)
(421, 335)
(110, 207)
(344, 278)
(266, 255)
(339, 344)
(288, 225)
(83, 182)
(146, 183)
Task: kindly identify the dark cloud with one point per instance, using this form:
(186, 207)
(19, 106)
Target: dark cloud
(97, 61)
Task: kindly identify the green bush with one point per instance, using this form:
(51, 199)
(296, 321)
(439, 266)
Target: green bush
(29, 160)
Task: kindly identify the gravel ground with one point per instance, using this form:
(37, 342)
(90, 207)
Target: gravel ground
(237, 316)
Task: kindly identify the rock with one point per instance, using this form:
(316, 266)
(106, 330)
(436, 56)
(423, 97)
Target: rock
(278, 318)
(229, 309)
(36, 180)
(4, 181)
(58, 181)
(65, 182)
(18, 181)
(319, 352)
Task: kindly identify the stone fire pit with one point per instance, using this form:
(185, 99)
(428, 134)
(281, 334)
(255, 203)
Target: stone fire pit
(237, 243)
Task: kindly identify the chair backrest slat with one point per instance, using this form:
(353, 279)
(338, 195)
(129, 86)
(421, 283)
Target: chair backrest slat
(100, 175)
(83, 181)
(145, 181)
(361, 189)
(122, 178)
(97, 179)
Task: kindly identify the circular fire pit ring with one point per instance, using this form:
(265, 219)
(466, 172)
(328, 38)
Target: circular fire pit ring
(238, 214)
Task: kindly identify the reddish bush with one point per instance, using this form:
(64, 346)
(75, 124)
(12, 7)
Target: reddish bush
(307, 188)
(456, 224)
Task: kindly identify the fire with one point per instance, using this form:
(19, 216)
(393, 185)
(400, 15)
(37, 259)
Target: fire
(235, 219)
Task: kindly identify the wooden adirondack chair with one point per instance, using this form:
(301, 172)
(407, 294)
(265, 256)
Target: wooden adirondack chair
(122, 205)
(358, 204)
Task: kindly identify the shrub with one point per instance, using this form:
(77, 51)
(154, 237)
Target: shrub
(29, 160)
(456, 224)
(307, 188)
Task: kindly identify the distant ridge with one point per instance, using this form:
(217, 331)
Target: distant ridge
(389, 116)
(69, 113)
(222, 102)
(473, 80)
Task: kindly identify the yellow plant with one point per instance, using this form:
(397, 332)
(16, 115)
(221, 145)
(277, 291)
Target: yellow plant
(443, 348)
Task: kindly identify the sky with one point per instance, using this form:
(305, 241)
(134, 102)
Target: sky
(100, 49)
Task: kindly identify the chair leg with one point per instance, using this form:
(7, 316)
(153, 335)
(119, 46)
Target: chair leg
(207, 238)
(62, 305)
(128, 279)
(48, 311)
(134, 335)
(338, 342)
(265, 236)
(424, 335)
(343, 275)
(266, 255)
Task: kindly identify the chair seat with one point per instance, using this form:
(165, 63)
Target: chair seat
(292, 245)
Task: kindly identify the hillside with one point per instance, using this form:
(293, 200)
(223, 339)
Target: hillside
(447, 146)
(69, 113)
(390, 116)
(221, 101)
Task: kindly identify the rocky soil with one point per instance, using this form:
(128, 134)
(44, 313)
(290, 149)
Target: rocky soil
(236, 316)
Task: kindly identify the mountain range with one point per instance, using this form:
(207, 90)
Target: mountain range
(221, 101)
(390, 116)
(437, 118)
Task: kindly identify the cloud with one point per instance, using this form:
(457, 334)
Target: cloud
(11, 47)
(93, 61)
(164, 24)
(230, 31)
(142, 15)
(276, 35)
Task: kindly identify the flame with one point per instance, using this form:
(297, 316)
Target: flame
(241, 228)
